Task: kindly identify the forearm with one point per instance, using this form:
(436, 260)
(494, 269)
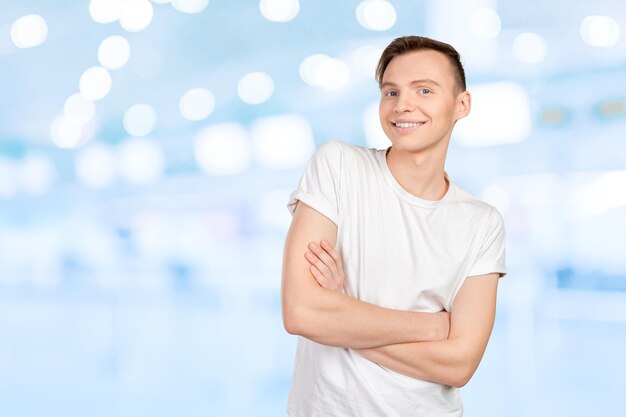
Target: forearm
(335, 319)
(446, 362)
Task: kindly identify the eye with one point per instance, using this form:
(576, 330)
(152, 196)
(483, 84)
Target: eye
(424, 91)
(391, 93)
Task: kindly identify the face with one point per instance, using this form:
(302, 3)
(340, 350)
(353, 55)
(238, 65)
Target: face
(419, 102)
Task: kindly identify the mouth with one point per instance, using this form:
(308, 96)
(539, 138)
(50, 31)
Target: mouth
(404, 124)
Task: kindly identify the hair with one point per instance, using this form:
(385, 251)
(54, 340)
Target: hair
(406, 44)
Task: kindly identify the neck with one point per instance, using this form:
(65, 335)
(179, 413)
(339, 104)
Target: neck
(420, 174)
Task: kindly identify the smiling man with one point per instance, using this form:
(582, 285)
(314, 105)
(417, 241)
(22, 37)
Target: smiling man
(390, 269)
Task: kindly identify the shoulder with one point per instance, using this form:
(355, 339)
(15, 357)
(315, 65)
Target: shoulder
(475, 207)
(342, 152)
(348, 151)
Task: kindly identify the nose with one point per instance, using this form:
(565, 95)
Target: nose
(403, 104)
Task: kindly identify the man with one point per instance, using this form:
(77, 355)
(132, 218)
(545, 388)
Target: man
(399, 321)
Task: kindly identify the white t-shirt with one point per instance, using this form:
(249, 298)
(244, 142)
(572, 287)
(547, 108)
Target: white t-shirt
(399, 251)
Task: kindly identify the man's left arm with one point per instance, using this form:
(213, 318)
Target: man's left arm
(452, 361)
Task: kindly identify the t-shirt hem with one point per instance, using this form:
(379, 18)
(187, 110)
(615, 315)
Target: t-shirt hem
(487, 269)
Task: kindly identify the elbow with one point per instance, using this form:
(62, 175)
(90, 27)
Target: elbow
(460, 380)
(293, 319)
(463, 373)
(290, 323)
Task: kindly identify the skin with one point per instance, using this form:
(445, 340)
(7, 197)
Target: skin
(440, 347)
(420, 87)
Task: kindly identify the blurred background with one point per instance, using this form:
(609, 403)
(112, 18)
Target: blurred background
(148, 150)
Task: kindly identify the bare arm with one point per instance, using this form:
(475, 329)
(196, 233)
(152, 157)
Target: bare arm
(452, 361)
(335, 319)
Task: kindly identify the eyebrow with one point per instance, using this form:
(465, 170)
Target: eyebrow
(422, 81)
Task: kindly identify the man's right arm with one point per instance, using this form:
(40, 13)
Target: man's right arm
(335, 319)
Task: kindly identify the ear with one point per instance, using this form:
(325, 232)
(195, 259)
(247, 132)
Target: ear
(463, 104)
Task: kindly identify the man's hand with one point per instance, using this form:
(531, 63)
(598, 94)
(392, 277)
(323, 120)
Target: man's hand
(327, 269)
(326, 265)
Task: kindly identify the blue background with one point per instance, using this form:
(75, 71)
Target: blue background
(163, 298)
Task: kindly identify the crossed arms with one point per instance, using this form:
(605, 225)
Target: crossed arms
(439, 347)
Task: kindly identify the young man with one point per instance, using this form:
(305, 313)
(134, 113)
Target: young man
(399, 321)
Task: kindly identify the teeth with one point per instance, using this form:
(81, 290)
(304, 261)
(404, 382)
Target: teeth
(405, 125)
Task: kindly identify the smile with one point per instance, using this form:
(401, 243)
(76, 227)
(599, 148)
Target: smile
(405, 125)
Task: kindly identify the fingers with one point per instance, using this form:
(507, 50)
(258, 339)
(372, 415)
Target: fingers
(321, 253)
(332, 252)
(319, 264)
(321, 279)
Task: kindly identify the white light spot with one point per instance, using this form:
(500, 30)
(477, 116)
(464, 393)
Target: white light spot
(66, 133)
(497, 196)
(529, 48)
(320, 70)
(485, 23)
(376, 15)
(375, 137)
(36, 174)
(222, 149)
(599, 31)
(79, 109)
(95, 166)
(282, 142)
(95, 83)
(141, 161)
(255, 87)
(105, 11)
(140, 119)
(500, 114)
(599, 196)
(197, 104)
(161, 1)
(114, 52)
(190, 6)
(29, 31)
(365, 59)
(279, 10)
(136, 15)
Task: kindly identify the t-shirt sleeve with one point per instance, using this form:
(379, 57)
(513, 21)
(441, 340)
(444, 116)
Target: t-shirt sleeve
(320, 183)
(492, 254)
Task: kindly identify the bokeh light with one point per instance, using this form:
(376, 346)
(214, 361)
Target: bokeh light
(500, 114)
(105, 11)
(378, 15)
(66, 133)
(114, 52)
(255, 88)
(37, 174)
(365, 58)
(95, 166)
(140, 119)
(282, 142)
(222, 149)
(190, 6)
(196, 104)
(485, 23)
(600, 31)
(530, 48)
(95, 83)
(136, 15)
(279, 10)
(79, 109)
(140, 161)
(320, 70)
(29, 31)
